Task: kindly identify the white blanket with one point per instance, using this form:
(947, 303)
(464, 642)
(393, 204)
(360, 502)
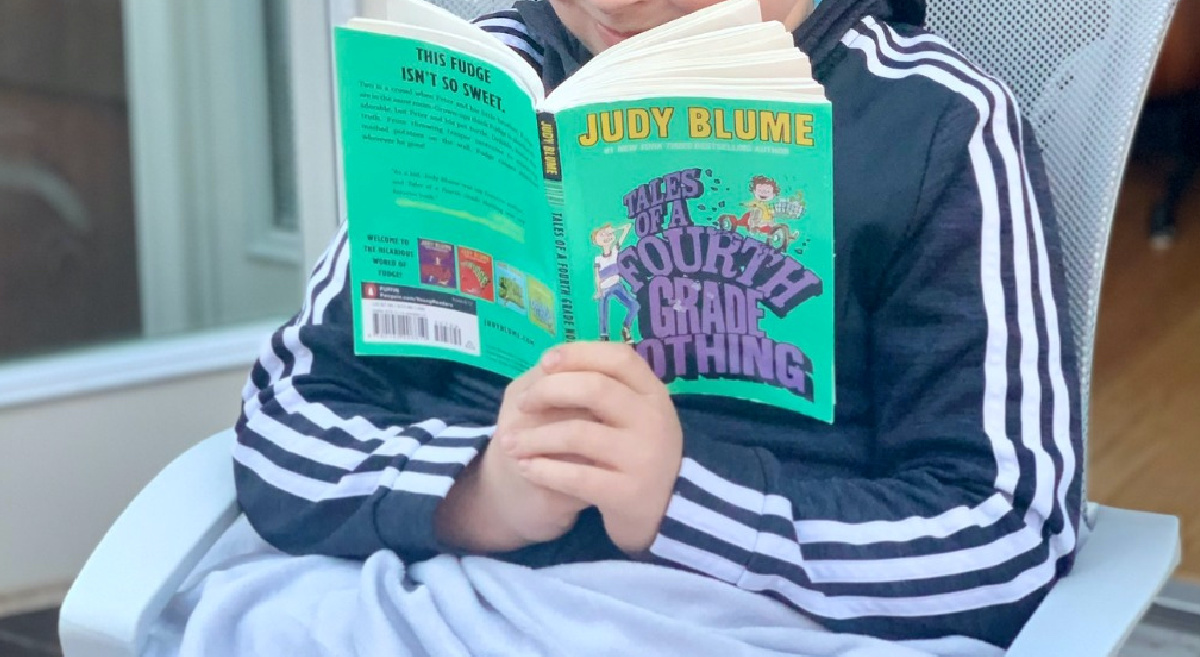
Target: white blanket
(248, 599)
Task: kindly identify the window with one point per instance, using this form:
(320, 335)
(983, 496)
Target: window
(279, 109)
(68, 270)
(151, 181)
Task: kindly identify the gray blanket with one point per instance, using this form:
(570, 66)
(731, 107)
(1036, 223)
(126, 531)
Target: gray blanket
(248, 599)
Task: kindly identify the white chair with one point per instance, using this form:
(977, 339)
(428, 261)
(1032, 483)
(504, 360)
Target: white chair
(1080, 70)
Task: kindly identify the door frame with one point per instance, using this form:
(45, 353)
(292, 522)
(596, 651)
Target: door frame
(199, 111)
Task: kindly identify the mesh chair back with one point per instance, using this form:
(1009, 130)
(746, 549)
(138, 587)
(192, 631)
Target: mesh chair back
(1080, 70)
(471, 8)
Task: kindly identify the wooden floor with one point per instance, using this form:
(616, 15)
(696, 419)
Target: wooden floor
(1145, 412)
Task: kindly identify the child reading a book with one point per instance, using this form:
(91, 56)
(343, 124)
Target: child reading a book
(935, 511)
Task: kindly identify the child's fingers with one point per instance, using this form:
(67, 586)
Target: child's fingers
(605, 398)
(583, 482)
(552, 415)
(582, 441)
(613, 359)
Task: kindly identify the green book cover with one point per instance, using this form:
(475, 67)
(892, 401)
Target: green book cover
(698, 229)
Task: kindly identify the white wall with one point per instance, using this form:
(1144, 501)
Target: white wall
(68, 467)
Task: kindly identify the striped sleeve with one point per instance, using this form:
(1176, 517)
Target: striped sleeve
(973, 511)
(341, 455)
(508, 27)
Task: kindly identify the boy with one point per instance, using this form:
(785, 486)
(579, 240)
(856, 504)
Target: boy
(765, 190)
(937, 509)
(607, 280)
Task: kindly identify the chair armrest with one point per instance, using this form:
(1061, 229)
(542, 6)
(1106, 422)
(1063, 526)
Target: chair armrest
(149, 550)
(1126, 561)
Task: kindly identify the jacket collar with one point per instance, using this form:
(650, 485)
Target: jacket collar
(819, 34)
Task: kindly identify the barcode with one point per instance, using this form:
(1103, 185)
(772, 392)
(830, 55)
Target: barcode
(418, 327)
(554, 193)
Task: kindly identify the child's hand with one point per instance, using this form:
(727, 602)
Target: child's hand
(538, 514)
(492, 507)
(625, 459)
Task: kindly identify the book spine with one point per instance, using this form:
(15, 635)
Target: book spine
(552, 174)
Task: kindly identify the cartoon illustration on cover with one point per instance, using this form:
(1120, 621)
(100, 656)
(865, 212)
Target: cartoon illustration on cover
(475, 273)
(609, 285)
(541, 305)
(767, 213)
(437, 263)
(510, 286)
(713, 301)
